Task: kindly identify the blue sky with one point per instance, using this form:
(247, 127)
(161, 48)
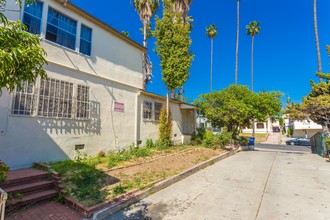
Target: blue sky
(285, 54)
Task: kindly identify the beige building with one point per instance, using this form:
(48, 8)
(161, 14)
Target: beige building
(92, 98)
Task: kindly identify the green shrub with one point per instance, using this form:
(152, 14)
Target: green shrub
(165, 128)
(4, 169)
(224, 138)
(290, 131)
(140, 151)
(209, 140)
(149, 143)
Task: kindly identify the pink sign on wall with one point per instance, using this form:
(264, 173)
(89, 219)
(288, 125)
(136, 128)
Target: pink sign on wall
(119, 107)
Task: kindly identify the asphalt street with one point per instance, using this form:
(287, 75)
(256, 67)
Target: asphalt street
(272, 182)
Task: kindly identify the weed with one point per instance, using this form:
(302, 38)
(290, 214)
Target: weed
(149, 143)
(119, 189)
(80, 156)
(19, 195)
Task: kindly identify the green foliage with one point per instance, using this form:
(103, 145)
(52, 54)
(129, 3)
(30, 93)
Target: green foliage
(4, 169)
(235, 107)
(211, 31)
(327, 142)
(316, 105)
(165, 129)
(209, 140)
(116, 157)
(172, 45)
(290, 131)
(80, 156)
(82, 179)
(253, 28)
(224, 138)
(149, 143)
(21, 56)
(197, 138)
(214, 141)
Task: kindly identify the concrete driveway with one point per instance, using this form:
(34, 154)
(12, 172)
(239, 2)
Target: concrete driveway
(269, 183)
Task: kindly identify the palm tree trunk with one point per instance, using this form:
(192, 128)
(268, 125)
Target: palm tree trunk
(145, 35)
(252, 64)
(319, 63)
(211, 65)
(252, 81)
(237, 40)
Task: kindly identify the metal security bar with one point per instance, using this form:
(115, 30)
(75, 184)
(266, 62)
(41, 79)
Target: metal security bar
(3, 199)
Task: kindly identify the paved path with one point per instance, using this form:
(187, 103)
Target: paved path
(264, 184)
(49, 210)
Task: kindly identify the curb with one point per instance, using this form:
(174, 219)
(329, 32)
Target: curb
(139, 195)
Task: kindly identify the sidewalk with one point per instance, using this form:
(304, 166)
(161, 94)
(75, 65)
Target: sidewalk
(273, 138)
(43, 211)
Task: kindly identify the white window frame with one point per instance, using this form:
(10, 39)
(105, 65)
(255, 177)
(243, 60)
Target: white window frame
(23, 101)
(147, 110)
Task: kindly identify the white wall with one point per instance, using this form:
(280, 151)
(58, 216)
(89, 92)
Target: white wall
(113, 72)
(149, 129)
(25, 139)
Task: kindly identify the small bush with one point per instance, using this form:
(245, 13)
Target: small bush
(149, 143)
(80, 156)
(290, 131)
(224, 138)
(140, 151)
(4, 169)
(165, 128)
(209, 140)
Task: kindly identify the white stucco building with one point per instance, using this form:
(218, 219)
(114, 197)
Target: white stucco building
(305, 128)
(92, 99)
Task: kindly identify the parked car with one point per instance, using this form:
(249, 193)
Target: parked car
(299, 141)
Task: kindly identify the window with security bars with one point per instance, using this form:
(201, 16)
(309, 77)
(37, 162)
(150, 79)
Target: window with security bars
(23, 100)
(83, 103)
(158, 108)
(55, 98)
(147, 110)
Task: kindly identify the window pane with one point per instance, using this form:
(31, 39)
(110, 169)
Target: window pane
(23, 100)
(83, 103)
(147, 110)
(85, 40)
(61, 29)
(32, 17)
(158, 108)
(54, 98)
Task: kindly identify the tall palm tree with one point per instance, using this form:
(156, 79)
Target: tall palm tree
(182, 6)
(253, 29)
(237, 40)
(316, 33)
(146, 8)
(211, 32)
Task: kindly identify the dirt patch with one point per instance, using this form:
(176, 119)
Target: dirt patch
(157, 168)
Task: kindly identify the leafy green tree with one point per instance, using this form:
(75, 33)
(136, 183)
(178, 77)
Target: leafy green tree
(211, 32)
(316, 105)
(165, 128)
(146, 9)
(21, 56)
(253, 29)
(172, 45)
(237, 39)
(236, 106)
(316, 33)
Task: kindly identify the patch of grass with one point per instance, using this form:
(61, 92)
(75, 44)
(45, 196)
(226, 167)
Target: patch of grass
(259, 137)
(82, 180)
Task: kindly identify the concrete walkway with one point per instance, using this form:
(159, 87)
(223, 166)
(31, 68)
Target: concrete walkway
(249, 185)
